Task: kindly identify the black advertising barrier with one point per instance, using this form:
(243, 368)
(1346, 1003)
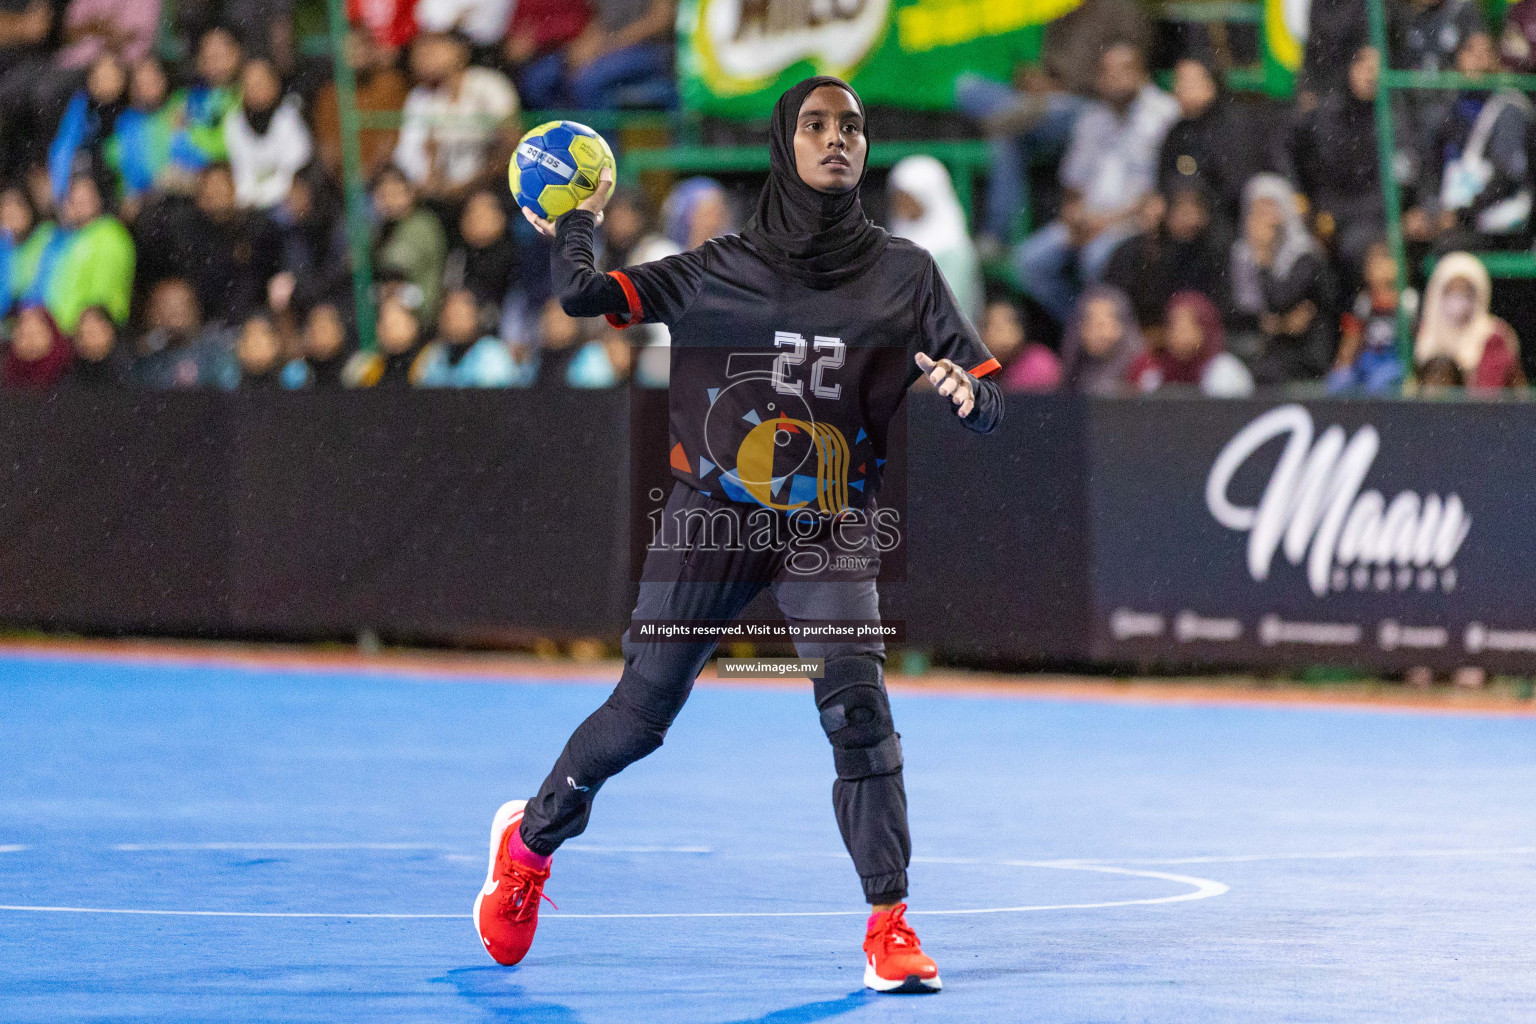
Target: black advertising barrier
(112, 512)
(428, 513)
(1144, 531)
(422, 514)
(492, 516)
(997, 556)
(1373, 534)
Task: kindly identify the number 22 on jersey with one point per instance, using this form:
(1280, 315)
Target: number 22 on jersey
(832, 350)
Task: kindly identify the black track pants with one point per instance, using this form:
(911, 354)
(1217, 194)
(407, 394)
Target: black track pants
(696, 579)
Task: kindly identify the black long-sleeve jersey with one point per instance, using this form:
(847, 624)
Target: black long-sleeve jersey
(782, 394)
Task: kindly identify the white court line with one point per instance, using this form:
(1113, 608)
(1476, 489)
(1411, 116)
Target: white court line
(183, 847)
(1344, 855)
(225, 913)
(1240, 858)
(583, 848)
(1201, 888)
(1246, 858)
(162, 847)
(11, 848)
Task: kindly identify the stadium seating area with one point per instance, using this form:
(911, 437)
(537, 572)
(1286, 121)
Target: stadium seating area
(172, 206)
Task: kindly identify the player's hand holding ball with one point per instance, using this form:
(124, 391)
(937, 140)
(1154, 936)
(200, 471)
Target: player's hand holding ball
(558, 167)
(950, 380)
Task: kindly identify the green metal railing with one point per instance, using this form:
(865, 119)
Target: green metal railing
(605, 121)
(1386, 152)
(963, 158)
(359, 233)
(1205, 12)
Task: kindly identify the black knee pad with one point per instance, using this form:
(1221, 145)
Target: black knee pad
(856, 717)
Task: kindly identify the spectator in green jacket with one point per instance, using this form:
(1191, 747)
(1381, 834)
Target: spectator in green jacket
(197, 113)
(83, 259)
(409, 240)
(140, 147)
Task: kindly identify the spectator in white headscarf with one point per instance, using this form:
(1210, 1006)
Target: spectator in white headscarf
(925, 210)
(1282, 289)
(1457, 323)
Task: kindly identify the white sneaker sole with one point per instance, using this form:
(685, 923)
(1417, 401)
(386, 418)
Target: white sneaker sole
(506, 814)
(910, 985)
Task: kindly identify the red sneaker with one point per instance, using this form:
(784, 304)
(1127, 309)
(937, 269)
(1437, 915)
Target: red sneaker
(507, 909)
(894, 960)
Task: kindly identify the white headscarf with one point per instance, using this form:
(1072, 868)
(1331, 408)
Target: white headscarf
(941, 228)
(1439, 338)
(1295, 241)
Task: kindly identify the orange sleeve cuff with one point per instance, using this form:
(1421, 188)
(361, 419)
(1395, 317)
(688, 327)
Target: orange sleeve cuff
(632, 297)
(982, 369)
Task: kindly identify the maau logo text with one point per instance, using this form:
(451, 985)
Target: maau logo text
(1313, 508)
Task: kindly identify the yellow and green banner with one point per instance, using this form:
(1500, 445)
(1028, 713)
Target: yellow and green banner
(1285, 38)
(737, 56)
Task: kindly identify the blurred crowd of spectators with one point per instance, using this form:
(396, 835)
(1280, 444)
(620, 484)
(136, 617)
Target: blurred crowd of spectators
(171, 212)
(1205, 239)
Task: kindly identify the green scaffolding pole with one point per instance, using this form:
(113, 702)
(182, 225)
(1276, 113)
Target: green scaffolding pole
(358, 230)
(1386, 156)
(962, 158)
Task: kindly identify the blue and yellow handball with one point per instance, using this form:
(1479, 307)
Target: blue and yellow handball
(556, 166)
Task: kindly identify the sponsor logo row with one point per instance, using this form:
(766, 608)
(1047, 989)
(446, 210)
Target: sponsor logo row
(1127, 624)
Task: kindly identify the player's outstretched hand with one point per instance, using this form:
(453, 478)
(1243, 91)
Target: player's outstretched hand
(950, 380)
(594, 202)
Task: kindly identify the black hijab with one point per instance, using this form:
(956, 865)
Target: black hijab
(821, 239)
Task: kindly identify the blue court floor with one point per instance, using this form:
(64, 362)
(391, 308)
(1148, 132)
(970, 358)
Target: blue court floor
(183, 843)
